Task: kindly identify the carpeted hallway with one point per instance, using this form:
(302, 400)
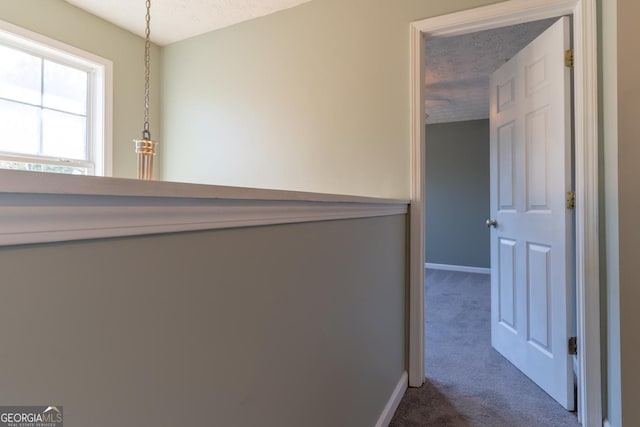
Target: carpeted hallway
(469, 383)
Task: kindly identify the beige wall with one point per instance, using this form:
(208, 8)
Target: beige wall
(61, 21)
(629, 204)
(314, 98)
(244, 327)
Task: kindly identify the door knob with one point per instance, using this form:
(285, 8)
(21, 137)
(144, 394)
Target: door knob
(492, 223)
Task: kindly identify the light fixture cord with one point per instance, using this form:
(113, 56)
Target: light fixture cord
(147, 59)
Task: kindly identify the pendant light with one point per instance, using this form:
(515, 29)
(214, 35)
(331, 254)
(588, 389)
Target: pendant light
(146, 147)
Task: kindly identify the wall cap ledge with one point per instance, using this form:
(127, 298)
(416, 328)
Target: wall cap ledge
(42, 208)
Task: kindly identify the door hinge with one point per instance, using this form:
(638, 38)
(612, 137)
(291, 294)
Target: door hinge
(571, 200)
(568, 58)
(573, 345)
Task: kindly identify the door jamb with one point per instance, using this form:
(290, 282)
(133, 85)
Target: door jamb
(586, 177)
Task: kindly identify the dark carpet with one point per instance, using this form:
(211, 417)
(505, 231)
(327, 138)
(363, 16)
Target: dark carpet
(468, 382)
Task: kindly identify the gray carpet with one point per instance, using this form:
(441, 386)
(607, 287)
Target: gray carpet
(469, 383)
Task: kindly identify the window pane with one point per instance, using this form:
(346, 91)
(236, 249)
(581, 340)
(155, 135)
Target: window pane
(19, 128)
(64, 135)
(19, 76)
(43, 167)
(65, 88)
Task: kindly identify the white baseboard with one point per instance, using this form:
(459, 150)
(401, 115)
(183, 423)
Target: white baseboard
(606, 423)
(462, 268)
(394, 401)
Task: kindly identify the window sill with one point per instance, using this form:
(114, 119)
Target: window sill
(41, 207)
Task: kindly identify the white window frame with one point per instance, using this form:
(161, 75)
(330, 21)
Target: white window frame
(100, 96)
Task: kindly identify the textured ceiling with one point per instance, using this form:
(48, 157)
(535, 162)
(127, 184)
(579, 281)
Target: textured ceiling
(458, 69)
(174, 20)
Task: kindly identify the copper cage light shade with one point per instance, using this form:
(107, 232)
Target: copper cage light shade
(146, 148)
(146, 151)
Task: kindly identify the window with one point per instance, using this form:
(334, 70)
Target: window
(55, 103)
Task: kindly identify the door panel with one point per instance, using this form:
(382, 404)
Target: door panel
(531, 246)
(536, 146)
(507, 284)
(539, 285)
(506, 176)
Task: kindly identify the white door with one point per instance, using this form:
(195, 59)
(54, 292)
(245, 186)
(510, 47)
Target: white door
(532, 273)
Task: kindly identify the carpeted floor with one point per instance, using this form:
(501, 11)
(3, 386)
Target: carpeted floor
(469, 383)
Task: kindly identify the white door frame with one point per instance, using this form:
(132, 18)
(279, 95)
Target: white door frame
(586, 177)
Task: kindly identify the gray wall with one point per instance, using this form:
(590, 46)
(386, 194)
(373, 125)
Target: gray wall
(457, 193)
(292, 325)
(610, 304)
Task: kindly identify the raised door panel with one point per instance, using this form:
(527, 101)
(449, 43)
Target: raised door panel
(539, 289)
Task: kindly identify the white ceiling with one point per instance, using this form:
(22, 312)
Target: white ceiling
(175, 20)
(458, 69)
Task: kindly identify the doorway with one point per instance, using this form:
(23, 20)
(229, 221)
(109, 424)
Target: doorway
(494, 16)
